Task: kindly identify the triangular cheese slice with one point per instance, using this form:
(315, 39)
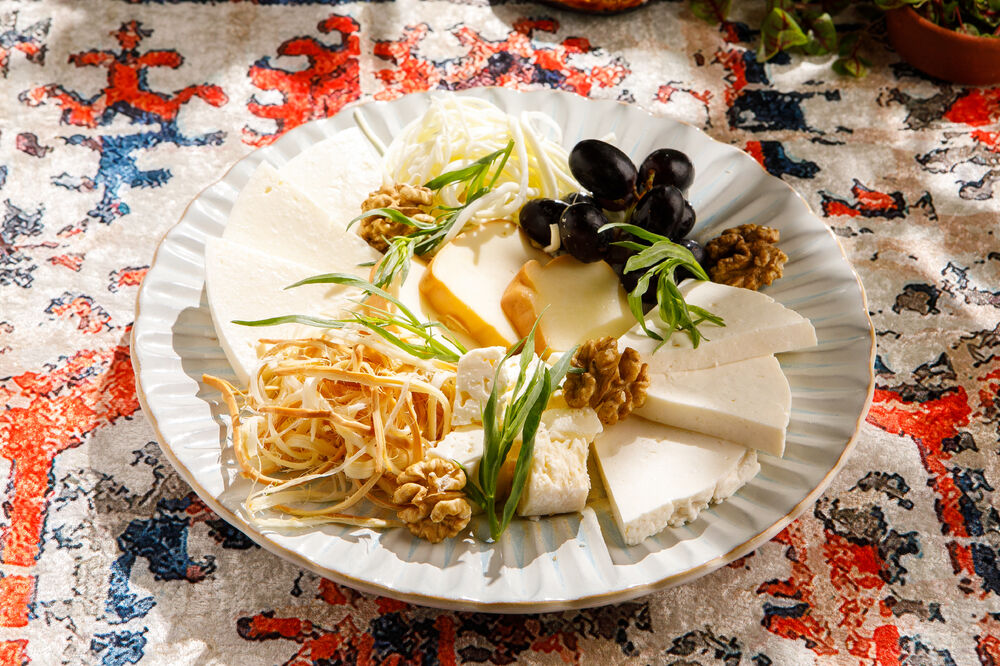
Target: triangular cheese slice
(275, 217)
(756, 325)
(657, 476)
(337, 173)
(247, 284)
(747, 402)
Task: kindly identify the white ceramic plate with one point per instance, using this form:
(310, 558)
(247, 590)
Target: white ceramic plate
(558, 562)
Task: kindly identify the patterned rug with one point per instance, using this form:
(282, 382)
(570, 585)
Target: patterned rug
(115, 113)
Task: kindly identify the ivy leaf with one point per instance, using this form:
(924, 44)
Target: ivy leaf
(780, 32)
(855, 66)
(712, 11)
(850, 63)
(822, 36)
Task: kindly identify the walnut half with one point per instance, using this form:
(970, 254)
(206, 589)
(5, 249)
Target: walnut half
(411, 200)
(431, 501)
(612, 383)
(746, 256)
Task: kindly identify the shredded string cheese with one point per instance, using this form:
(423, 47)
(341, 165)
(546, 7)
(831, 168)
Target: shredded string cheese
(456, 131)
(326, 424)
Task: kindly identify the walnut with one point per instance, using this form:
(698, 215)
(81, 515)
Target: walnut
(411, 200)
(612, 383)
(746, 256)
(431, 500)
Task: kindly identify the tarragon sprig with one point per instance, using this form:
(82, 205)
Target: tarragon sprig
(426, 237)
(429, 339)
(658, 262)
(521, 415)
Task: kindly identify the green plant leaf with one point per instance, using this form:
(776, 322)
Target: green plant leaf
(711, 11)
(855, 66)
(780, 32)
(822, 36)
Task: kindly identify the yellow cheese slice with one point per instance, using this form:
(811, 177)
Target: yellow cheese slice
(580, 302)
(466, 278)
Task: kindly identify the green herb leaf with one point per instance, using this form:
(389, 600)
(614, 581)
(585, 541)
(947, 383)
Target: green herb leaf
(532, 389)
(393, 215)
(431, 339)
(657, 263)
(524, 457)
(292, 319)
(428, 236)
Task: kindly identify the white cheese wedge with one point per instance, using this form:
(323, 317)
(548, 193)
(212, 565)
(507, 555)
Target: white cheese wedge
(247, 284)
(467, 277)
(275, 217)
(558, 481)
(337, 173)
(657, 476)
(576, 302)
(756, 325)
(747, 402)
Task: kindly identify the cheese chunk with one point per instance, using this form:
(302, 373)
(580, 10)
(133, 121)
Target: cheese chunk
(657, 476)
(748, 402)
(337, 173)
(467, 277)
(474, 382)
(569, 423)
(245, 283)
(756, 325)
(275, 217)
(464, 444)
(558, 480)
(579, 301)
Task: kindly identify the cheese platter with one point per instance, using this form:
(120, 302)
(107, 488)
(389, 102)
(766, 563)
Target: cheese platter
(740, 420)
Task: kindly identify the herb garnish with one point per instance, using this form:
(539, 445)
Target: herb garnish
(428, 342)
(522, 415)
(658, 261)
(428, 236)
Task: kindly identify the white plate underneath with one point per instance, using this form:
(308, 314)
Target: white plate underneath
(558, 562)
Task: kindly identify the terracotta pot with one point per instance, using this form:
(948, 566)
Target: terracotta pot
(943, 53)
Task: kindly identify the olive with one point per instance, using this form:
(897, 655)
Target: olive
(579, 197)
(631, 279)
(698, 251)
(616, 253)
(660, 210)
(666, 166)
(578, 232)
(606, 171)
(536, 216)
(687, 221)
